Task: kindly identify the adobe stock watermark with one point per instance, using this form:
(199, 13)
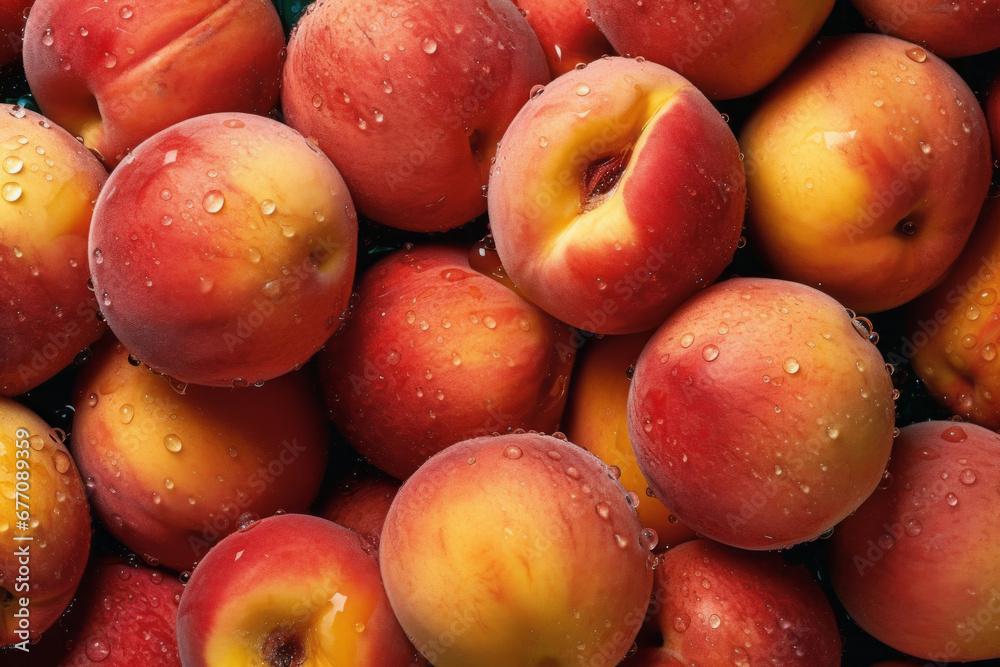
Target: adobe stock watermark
(228, 515)
(753, 504)
(699, 41)
(966, 630)
(612, 133)
(20, 591)
(898, 17)
(882, 201)
(277, 291)
(794, 122)
(924, 330)
(53, 344)
(907, 527)
(458, 117)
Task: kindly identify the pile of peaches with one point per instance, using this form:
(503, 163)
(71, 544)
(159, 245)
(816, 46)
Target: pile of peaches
(515, 333)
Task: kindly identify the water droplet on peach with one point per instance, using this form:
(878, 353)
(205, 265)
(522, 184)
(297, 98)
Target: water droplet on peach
(12, 164)
(61, 461)
(11, 192)
(954, 434)
(213, 201)
(172, 442)
(97, 647)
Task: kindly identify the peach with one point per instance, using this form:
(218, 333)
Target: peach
(289, 590)
(953, 332)
(122, 616)
(44, 526)
(761, 414)
(516, 549)
(867, 165)
(172, 473)
(360, 501)
(435, 353)
(596, 420)
(566, 32)
(728, 48)
(48, 184)
(12, 17)
(916, 565)
(409, 101)
(949, 29)
(117, 74)
(716, 605)
(617, 193)
(223, 250)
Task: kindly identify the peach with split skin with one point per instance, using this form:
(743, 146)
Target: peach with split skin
(12, 17)
(552, 564)
(761, 413)
(595, 419)
(728, 48)
(290, 590)
(360, 501)
(434, 353)
(953, 332)
(171, 473)
(716, 605)
(867, 164)
(223, 249)
(566, 32)
(949, 29)
(934, 524)
(115, 74)
(409, 101)
(617, 193)
(44, 525)
(48, 184)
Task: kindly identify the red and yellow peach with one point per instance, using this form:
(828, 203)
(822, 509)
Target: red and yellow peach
(728, 48)
(223, 249)
(115, 74)
(48, 185)
(617, 193)
(436, 352)
(409, 101)
(290, 590)
(867, 165)
(934, 524)
(170, 473)
(44, 526)
(551, 561)
(761, 414)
